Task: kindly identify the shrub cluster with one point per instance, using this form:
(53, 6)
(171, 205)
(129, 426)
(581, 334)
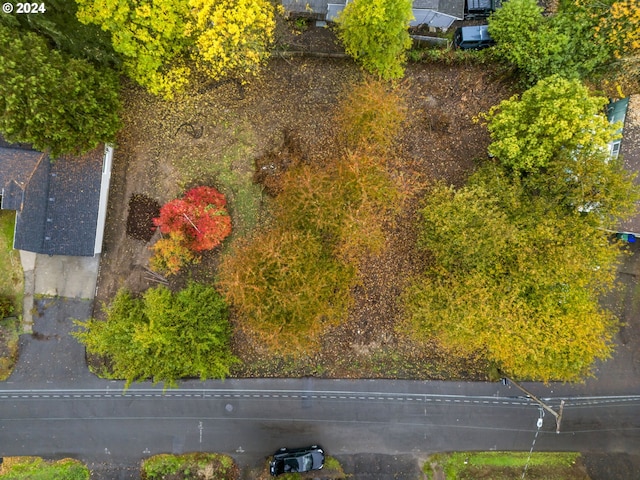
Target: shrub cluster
(163, 336)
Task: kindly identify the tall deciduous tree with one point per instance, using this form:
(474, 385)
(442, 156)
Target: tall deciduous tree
(158, 38)
(617, 23)
(594, 185)
(528, 41)
(514, 277)
(555, 117)
(231, 36)
(64, 32)
(375, 33)
(149, 35)
(52, 101)
(163, 336)
(540, 46)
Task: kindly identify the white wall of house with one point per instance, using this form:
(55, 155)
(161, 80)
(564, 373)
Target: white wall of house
(107, 162)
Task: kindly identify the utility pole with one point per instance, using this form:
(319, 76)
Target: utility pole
(557, 415)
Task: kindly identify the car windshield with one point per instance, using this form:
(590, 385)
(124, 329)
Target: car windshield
(301, 463)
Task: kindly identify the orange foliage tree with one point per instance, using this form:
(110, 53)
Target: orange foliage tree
(197, 222)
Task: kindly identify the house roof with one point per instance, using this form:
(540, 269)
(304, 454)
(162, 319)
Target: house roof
(57, 201)
(18, 164)
(331, 8)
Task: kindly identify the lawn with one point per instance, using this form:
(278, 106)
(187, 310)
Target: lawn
(507, 466)
(31, 468)
(11, 290)
(12, 281)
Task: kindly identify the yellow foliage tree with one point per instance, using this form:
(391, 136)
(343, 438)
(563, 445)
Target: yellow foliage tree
(158, 38)
(231, 35)
(620, 26)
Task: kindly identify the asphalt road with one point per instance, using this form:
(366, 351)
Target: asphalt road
(250, 421)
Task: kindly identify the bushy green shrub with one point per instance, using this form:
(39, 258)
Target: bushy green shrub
(190, 465)
(6, 307)
(376, 34)
(163, 336)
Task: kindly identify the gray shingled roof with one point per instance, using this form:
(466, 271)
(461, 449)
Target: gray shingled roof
(17, 166)
(56, 202)
(454, 8)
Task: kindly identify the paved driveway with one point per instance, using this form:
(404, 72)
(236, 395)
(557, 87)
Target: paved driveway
(56, 276)
(49, 355)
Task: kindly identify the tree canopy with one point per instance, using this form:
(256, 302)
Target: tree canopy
(293, 280)
(231, 36)
(163, 40)
(617, 23)
(64, 32)
(529, 41)
(555, 117)
(521, 255)
(375, 33)
(591, 39)
(163, 336)
(52, 101)
(514, 277)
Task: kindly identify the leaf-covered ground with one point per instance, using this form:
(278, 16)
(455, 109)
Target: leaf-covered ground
(232, 136)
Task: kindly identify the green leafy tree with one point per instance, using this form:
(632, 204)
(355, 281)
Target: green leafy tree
(150, 36)
(375, 33)
(594, 185)
(614, 26)
(616, 23)
(163, 336)
(514, 278)
(539, 46)
(555, 117)
(52, 101)
(64, 32)
(159, 38)
(527, 40)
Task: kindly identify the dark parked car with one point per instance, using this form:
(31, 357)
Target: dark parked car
(291, 460)
(472, 38)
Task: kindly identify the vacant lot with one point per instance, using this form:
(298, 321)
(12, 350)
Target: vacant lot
(223, 134)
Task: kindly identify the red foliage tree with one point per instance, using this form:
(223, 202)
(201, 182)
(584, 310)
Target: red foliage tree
(200, 216)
